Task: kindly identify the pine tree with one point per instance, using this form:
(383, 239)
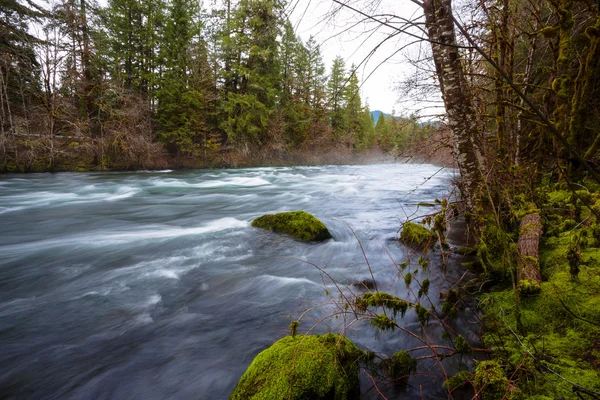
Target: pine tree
(181, 102)
(134, 30)
(336, 97)
(253, 86)
(366, 137)
(354, 110)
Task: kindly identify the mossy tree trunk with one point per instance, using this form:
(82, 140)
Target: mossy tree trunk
(457, 96)
(528, 268)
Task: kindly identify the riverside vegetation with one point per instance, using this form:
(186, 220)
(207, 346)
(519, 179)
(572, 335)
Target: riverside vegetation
(151, 84)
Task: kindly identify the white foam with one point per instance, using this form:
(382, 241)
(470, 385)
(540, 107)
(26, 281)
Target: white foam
(153, 300)
(281, 280)
(124, 192)
(165, 273)
(4, 210)
(236, 181)
(143, 319)
(167, 233)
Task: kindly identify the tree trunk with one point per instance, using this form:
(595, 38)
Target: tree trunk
(528, 268)
(457, 97)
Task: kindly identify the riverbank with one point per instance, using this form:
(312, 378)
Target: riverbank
(546, 344)
(39, 153)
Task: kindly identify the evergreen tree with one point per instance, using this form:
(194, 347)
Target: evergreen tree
(354, 110)
(337, 97)
(253, 87)
(181, 103)
(366, 137)
(134, 29)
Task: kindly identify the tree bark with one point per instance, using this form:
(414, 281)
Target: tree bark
(456, 95)
(528, 267)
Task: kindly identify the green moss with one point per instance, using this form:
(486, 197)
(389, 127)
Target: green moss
(461, 345)
(408, 278)
(400, 366)
(382, 299)
(304, 367)
(424, 289)
(425, 204)
(416, 235)
(529, 286)
(383, 323)
(422, 314)
(466, 251)
(459, 380)
(490, 378)
(298, 224)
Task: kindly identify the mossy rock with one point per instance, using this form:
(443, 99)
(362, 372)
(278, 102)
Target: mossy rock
(416, 235)
(298, 224)
(303, 367)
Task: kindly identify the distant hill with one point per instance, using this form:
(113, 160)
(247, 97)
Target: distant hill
(375, 114)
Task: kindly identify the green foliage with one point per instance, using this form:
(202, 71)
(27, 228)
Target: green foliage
(408, 278)
(417, 236)
(302, 367)
(298, 224)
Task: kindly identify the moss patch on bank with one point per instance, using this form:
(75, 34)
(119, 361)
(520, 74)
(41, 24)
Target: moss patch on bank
(303, 367)
(417, 236)
(547, 338)
(298, 224)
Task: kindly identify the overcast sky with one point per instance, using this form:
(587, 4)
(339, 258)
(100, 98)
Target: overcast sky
(339, 34)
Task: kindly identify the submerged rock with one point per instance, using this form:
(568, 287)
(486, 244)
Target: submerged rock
(417, 236)
(303, 367)
(365, 284)
(298, 224)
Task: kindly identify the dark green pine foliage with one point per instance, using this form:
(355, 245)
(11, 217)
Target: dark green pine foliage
(181, 103)
(354, 109)
(366, 135)
(295, 97)
(254, 83)
(134, 30)
(19, 69)
(336, 96)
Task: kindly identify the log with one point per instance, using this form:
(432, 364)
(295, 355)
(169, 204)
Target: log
(528, 263)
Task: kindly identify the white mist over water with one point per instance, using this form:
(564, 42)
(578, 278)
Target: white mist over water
(154, 284)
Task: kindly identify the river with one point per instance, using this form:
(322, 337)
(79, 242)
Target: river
(154, 285)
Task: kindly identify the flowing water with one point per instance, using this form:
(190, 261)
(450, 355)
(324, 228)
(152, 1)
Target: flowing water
(154, 285)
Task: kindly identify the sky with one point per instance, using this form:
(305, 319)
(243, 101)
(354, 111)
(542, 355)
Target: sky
(340, 31)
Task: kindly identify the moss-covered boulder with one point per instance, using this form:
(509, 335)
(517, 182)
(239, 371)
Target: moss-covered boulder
(303, 367)
(416, 235)
(298, 224)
